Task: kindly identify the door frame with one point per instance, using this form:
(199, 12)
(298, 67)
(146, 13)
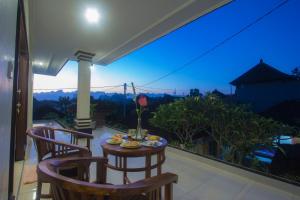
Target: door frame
(21, 44)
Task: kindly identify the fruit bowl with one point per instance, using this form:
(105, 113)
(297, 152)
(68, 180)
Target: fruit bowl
(153, 138)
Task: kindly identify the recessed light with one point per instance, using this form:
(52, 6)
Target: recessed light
(92, 67)
(39, 63)
(92, 15)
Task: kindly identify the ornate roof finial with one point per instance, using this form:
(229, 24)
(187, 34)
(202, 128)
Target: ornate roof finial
(261, 60)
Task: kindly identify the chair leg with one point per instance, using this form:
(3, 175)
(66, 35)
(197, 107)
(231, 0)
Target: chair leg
(169, 192)
(38, 190)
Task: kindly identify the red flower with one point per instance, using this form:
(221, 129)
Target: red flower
(142, 100)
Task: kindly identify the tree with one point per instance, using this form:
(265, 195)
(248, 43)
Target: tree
(236, 130)
(93, 107)
(296, 71)
(182, 117)
(219, 121)
(64, 103)
(195, 93)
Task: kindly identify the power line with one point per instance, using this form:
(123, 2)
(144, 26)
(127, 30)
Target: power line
(149, 91)
(156, 88)
(141, 89)
(107, 86)
(218, 44)
(112, 88)
(152, 88)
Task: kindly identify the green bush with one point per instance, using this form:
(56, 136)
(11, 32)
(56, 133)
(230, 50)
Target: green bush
(236, 130)
(182, 117)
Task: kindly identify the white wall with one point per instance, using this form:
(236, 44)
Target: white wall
(265, 95)
(8, 19)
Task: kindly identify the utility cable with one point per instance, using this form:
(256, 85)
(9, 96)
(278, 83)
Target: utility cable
(208, 51)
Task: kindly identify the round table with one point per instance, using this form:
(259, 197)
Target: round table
(121, 154)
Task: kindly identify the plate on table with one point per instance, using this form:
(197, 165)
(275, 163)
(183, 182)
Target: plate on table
(119, 135)
(153, 138)
(114, 141)
(131, 144)
(149, 143)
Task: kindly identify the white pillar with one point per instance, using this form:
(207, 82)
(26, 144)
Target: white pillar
(83, 95)
(83, 120)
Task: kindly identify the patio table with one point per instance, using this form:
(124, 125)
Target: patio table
(122, 154)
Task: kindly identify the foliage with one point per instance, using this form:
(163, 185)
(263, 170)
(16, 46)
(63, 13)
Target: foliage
(195, 92)
(41, 110)
(68, 109)
(296, 71)
(183, 117)
(236, 130)
(93, 107)
(64, 103)
(114, 111)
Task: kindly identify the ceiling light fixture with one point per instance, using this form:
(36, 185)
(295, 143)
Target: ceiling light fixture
(92, 15)
(92, 67)
(38, 63)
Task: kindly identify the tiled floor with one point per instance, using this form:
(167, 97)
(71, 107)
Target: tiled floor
(197, 180)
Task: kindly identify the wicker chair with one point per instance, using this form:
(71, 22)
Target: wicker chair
(48, 146)
(64, 188)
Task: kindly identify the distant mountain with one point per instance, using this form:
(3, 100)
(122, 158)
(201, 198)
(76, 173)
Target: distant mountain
(54, 95)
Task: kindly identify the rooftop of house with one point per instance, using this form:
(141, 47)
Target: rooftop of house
(199, 177)
(262, 73)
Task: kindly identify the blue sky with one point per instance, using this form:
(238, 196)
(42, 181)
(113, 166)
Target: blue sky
(276, 39)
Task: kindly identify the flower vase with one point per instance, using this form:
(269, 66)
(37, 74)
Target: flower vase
(138, 133)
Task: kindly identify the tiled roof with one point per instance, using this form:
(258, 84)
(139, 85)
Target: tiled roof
(260, 73)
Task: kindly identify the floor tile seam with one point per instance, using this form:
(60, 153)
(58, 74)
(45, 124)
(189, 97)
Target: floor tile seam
(214, 169)
(244, 190)
(187, 193)
(200, 186)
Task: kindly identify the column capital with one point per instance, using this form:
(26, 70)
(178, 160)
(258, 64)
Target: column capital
(83, 55)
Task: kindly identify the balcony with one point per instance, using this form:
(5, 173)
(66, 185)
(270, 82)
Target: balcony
(45, 42)
(199, 177)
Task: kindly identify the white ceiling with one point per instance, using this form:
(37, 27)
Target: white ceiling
(57, 28)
